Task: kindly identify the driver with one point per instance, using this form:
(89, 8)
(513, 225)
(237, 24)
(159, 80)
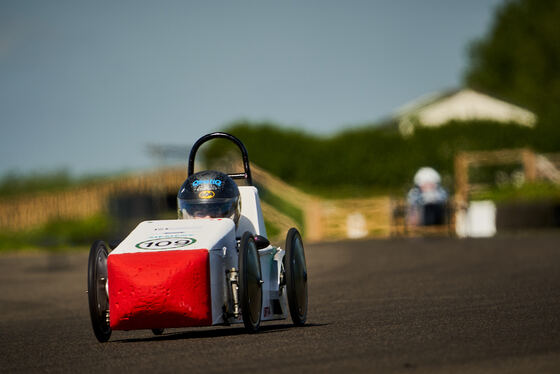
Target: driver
(209, 194)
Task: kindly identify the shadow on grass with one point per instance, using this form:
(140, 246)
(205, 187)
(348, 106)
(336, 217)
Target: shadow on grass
(217, 332)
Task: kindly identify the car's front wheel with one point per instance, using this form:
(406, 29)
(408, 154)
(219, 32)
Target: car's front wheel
(250, 283)
(97, 291)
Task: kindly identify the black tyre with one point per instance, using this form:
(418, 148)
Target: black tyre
(97, 291)
(158, 331)
(296, 277)
(250, 283)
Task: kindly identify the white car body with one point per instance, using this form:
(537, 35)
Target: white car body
(151, 270)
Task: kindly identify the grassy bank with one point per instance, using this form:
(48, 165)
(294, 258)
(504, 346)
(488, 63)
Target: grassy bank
(58, 235)
(525, 192)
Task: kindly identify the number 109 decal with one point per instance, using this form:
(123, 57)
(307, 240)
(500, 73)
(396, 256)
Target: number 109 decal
(166, 243)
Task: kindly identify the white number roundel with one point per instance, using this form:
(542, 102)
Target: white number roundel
(165, 243)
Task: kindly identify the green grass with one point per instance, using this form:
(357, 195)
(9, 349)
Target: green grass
(526, 192)
(15, 183)
(58, 235)
(272, 230)
(282, 205)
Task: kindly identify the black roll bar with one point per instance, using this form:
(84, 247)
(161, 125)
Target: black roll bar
(246, 173)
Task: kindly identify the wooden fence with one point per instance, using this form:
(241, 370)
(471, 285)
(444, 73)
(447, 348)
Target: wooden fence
(535, 166)
(30, 210)
(324, 219)
(332, 219)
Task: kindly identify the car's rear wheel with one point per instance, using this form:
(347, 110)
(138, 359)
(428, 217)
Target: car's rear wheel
(250, 283)
(158, 331)
(97, 291)
(296, 277)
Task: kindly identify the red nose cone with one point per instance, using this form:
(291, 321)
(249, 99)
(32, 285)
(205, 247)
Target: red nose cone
(159, 289)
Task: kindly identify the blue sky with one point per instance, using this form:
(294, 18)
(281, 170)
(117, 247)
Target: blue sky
(86, 85)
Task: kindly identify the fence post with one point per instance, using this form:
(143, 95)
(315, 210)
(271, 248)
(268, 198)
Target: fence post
(461, 178)
(529, 164)
(313, 221)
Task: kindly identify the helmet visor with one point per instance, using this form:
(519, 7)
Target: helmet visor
(216, 208)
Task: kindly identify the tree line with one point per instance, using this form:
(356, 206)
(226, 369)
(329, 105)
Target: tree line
(517, 61)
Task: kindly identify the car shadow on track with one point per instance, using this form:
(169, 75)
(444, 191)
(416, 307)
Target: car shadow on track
(216, 332)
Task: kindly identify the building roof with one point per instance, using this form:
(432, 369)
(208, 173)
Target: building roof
(434, 110)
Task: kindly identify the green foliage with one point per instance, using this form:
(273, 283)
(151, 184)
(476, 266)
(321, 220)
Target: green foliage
(272, 231)
(14, 183)
(72, 232)
(519, 61)
(528, 191)
(281, 205)
(370, 160)
(58, 234)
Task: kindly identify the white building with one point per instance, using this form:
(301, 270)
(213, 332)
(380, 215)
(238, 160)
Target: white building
(461, 105)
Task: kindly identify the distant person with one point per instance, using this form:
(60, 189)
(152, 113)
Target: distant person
(427, 199)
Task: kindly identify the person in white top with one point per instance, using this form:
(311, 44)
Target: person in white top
(427, 199)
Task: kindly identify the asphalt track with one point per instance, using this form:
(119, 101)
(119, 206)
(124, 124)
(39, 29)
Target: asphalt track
(432, 305)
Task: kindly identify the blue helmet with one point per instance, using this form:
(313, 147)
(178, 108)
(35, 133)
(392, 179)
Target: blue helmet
(209, 194)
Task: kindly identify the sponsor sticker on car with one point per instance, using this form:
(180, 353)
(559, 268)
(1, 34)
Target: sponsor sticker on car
(165, 243)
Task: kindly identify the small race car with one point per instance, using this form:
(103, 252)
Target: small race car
(212, 266)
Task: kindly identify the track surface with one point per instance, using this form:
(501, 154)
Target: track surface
(408, 306)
